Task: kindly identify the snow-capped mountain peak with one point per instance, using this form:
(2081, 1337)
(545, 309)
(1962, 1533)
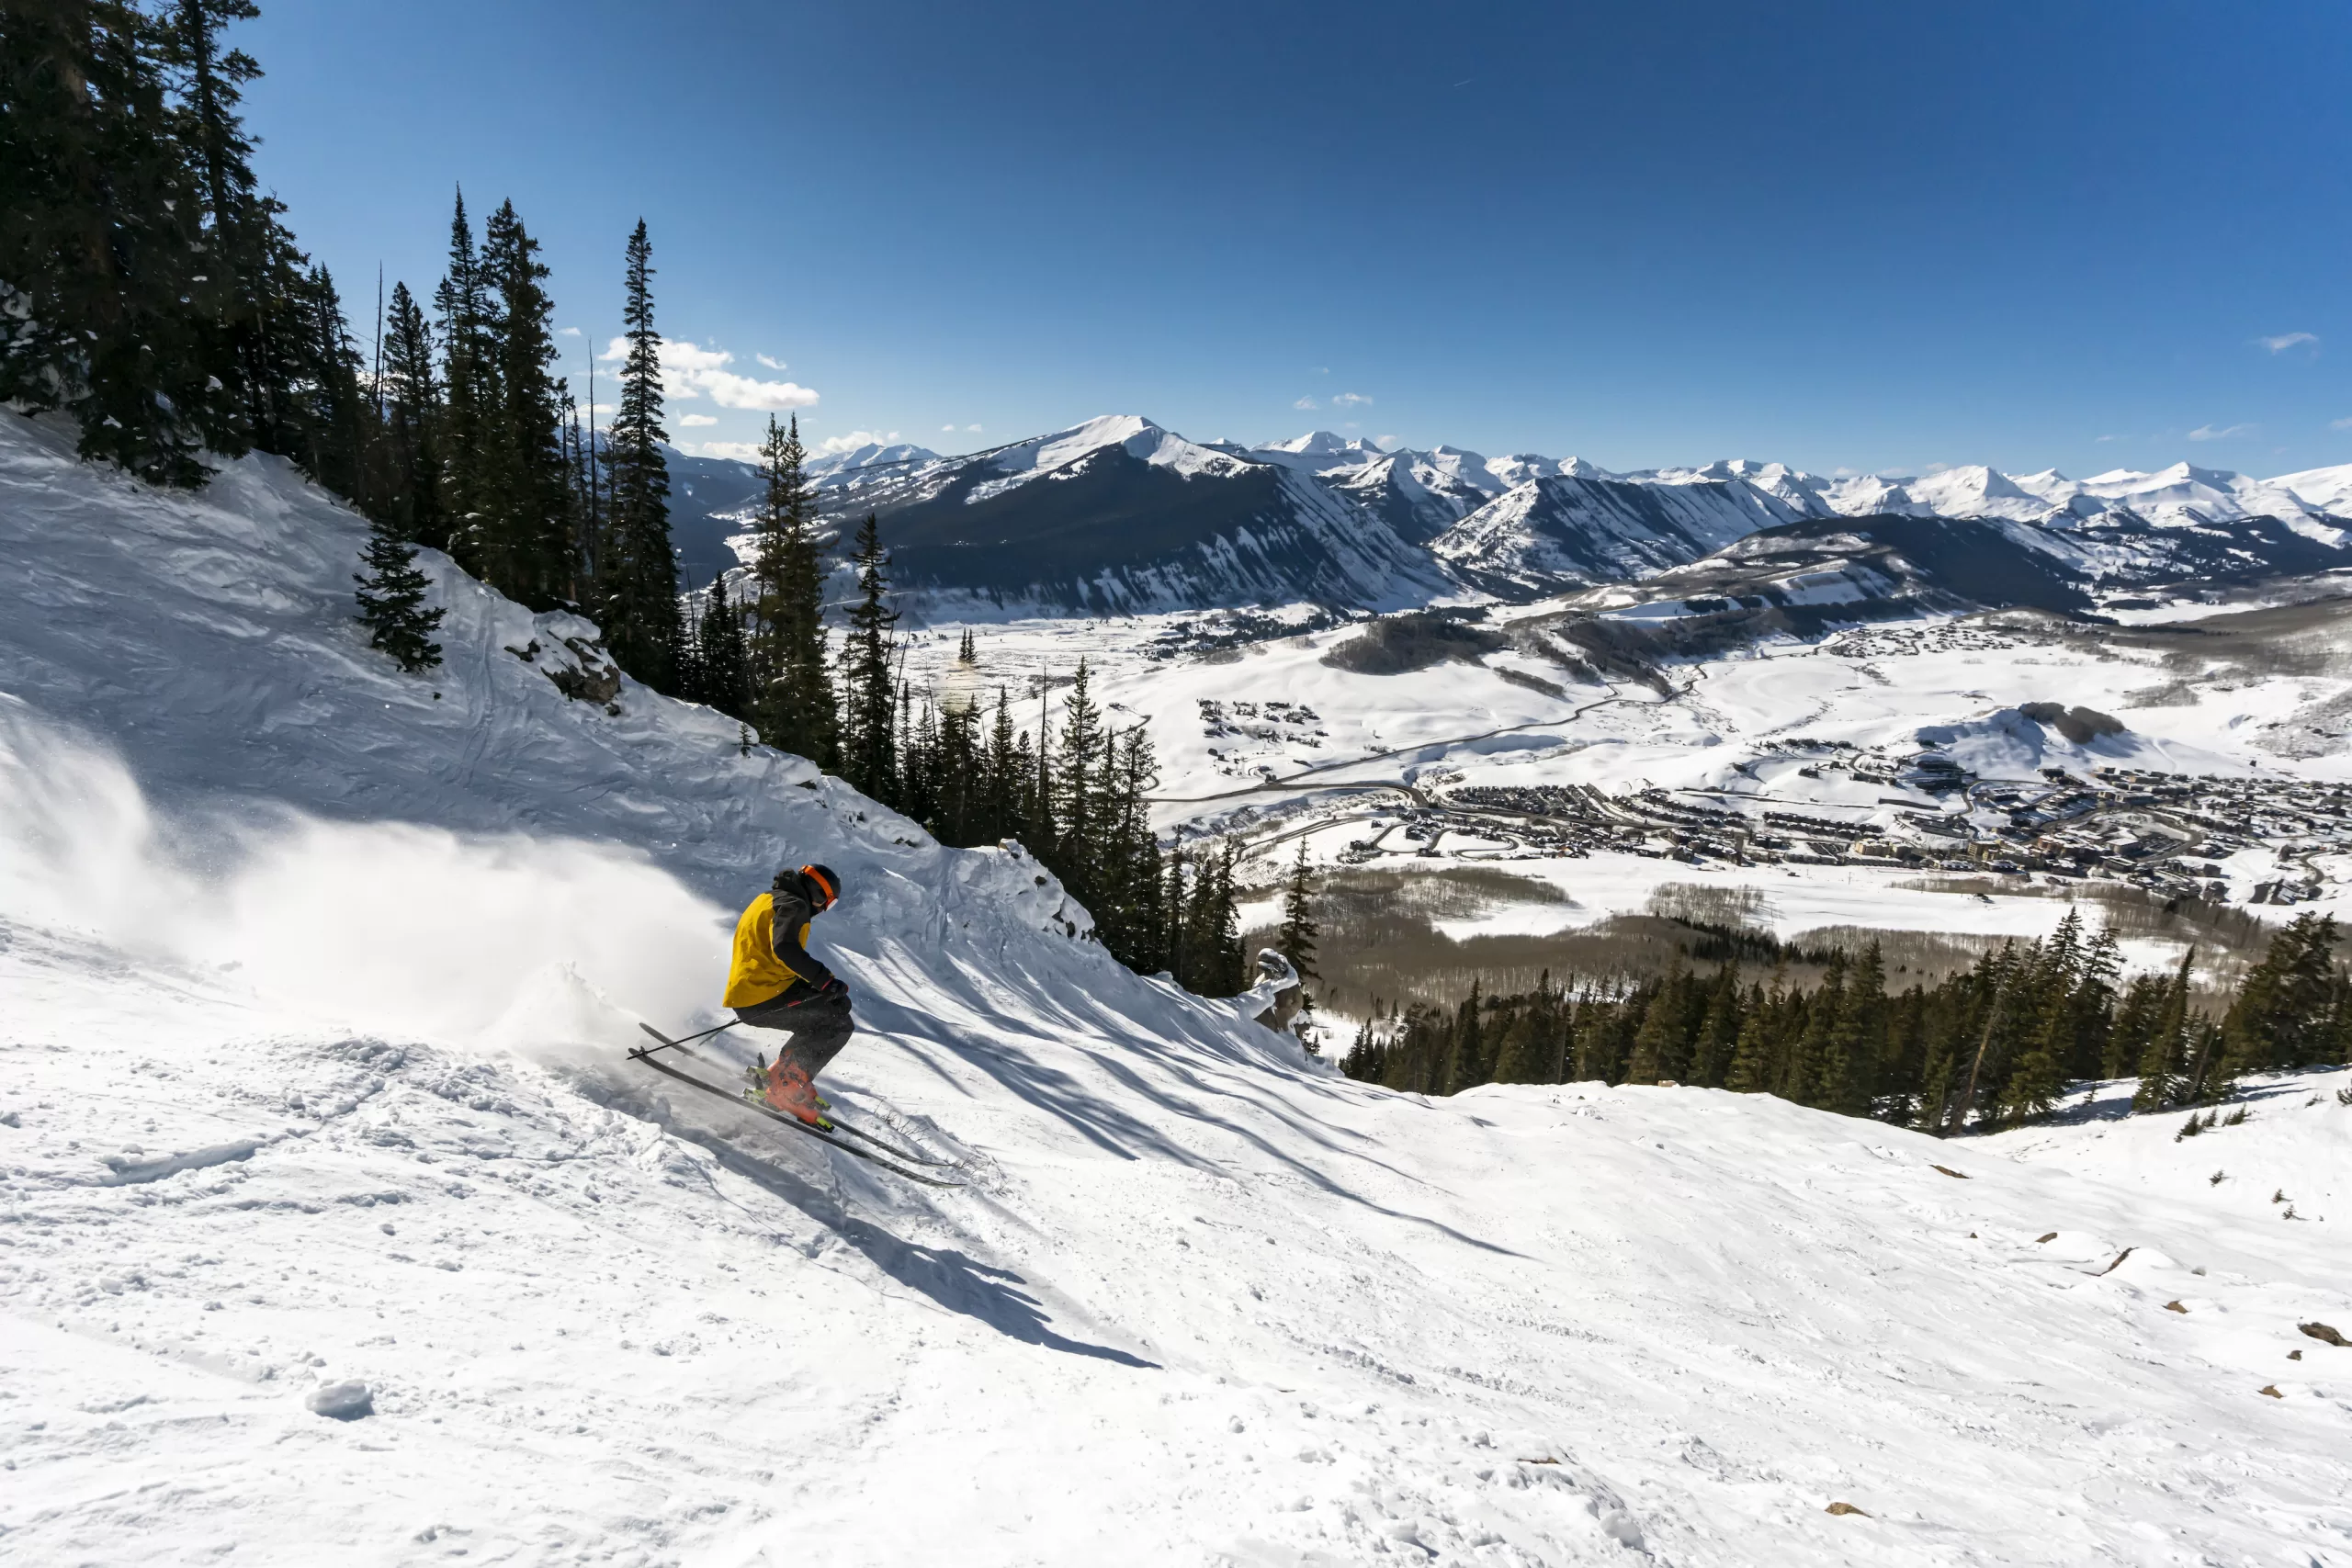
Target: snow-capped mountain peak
(1133, 433)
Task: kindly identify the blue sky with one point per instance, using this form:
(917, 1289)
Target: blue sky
(1861, 236)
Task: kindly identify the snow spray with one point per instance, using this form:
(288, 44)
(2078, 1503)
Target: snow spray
(387, 928)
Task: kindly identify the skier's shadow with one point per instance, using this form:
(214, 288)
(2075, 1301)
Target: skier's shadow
(951, 1278)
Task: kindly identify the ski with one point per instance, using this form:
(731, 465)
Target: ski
(892, 1149)
(793, 1123)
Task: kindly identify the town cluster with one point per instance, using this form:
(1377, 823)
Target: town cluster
(2167, 833)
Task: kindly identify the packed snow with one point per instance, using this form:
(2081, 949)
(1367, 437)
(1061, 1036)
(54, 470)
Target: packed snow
(337, 1226)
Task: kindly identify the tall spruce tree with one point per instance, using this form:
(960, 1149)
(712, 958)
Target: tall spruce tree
(522, 527)
(469, 392)
(638, 586)
(869, 744)
(1294, 939)
(238, 296)
(411, 397)
(793, 702)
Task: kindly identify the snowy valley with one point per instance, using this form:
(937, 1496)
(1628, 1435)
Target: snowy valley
(319, 980)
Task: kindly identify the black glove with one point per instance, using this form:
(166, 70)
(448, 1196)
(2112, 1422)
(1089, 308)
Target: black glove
(833, 987)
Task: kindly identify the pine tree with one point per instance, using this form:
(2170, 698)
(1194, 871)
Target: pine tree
(869, 722)
(236, 298)
(391, 600)
(1296, 940)
(1750, 1071)
(719, 641)
(1466, 1065)
(1074, 797)
(330, 425)
(522, 529)
(2283, 1015)
(411, 397)
(100, 241)
(1857, 1036)
(2164, 1057)
(793, 704)
(468, 393)
(638, 591)
(1660, 1034)
(1711, 1055)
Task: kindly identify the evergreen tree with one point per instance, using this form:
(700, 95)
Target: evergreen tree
(637, 587)
(2285, 1012)
(718, 643)
(1711, 1055)
(1465, 1065)
(869, 720)
(410, 395)
(1657, 1038)
(392, 601)
(794, 707)
(1075, 796)
(100, 241)
(1295, 940)
(521, 529)
(2163, 1056)
(238, 294)
(469, 394)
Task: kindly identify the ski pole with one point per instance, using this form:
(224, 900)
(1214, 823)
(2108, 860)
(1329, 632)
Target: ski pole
(667, 1042)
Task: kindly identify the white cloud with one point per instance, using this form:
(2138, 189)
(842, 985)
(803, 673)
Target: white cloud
(1350, 401)
(689, 371)
(1322, 370)
(1841, 472)
(567, 332)
(692, 421)
(1306, 403)
(2286, 341)
(1386, 440)
(2208, 432)
(2339, 424)
(946, 430)
(739, 451)
(973, 428)
(1935, 467)
(856, 439)
(771, 363)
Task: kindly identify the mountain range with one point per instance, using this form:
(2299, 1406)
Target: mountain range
(1120, 514)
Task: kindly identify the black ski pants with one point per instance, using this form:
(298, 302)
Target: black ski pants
(819, 1025)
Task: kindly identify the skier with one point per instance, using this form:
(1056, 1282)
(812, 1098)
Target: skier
(775, 982)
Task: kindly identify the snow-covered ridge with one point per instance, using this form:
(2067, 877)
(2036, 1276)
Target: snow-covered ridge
(1336, 519)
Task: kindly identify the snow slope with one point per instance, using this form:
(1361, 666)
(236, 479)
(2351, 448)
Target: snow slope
(309, 1073)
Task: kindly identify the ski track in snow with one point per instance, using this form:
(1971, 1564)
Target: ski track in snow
(1204, 1303)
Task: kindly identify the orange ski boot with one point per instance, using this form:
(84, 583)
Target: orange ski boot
(787, 1088)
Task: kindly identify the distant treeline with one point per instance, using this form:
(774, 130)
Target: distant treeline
(1994, 1045)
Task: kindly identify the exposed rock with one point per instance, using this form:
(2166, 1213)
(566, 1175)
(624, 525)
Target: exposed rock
(2322, 1332)
(1845, 1508)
